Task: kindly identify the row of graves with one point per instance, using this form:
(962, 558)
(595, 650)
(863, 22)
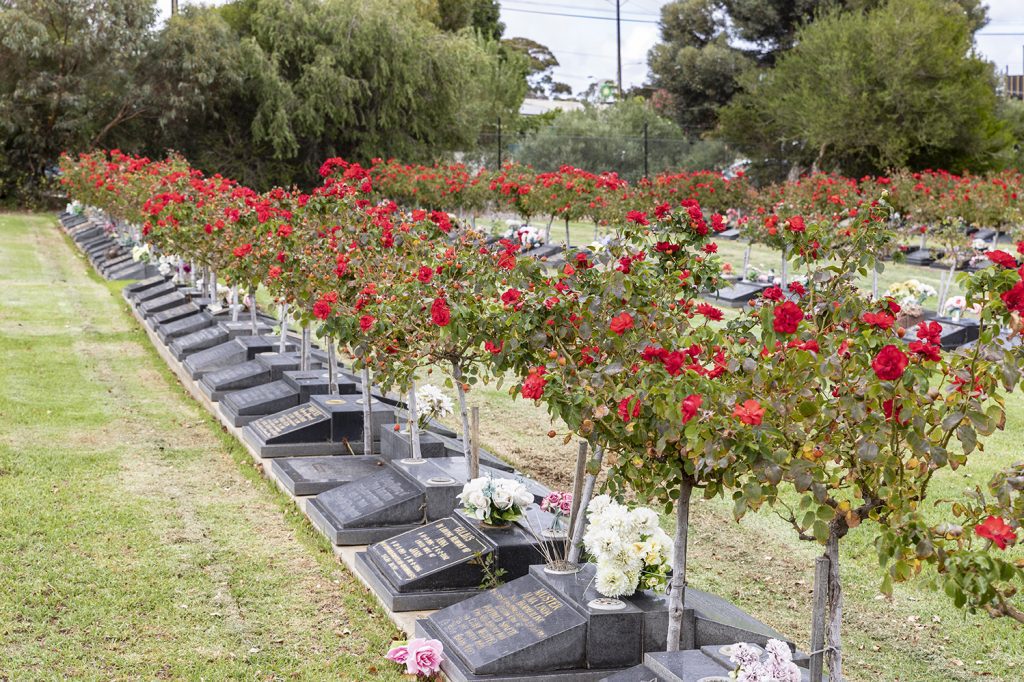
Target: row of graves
(491, 593)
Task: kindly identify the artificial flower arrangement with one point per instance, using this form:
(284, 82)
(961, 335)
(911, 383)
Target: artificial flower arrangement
(73, 208)
(142, 252)
(558, 504)
(629, 548)
(431, 403)
(911, 292)
(527, 235)
(495, 501)
(954, 307)
(777, 666)
(421, 657)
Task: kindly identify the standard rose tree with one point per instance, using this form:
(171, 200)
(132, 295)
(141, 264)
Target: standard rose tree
(839, 408)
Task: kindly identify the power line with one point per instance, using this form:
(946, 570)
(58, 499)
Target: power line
(637, 15)
(577, 16)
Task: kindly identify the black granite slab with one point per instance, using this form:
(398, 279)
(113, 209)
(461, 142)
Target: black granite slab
(197, 341)
(396, 443)
(233, 378)
(174, 314)
(149, 293)
(245, 406)
(738, 294)
(303, 476)
(372, 508)
(184, 326)
(144, 284)
(920, 257)
(161, 303)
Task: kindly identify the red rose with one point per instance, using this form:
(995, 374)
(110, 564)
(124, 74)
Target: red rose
(1002, 258)
(243, 250)
(637, 217)
(890, 413)
(662, 210)
(275, 272)
(621, 323)
(930, 331)
(1014, 298)
(772, 294)
(711, 247)
(533, 386)
(667, 247)
(629, 408)
(321, 309)
(511, 296)
(998, 531)
(797, 288)
(284, 230)
(788, 316)
(492, 348)
(750, 412)
(366, 322)
(425, 274)
(440, 313)
(890, 363)
(880, 320)
(691, 404)
(710, 311)
(926, 350)
(796, 224)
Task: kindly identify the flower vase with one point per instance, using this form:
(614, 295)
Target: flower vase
(561, 567)
(606, 604)
(504, 525)
(556, 531)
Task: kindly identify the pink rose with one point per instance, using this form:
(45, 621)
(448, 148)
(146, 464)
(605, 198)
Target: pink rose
(398, 654)
(424, 656)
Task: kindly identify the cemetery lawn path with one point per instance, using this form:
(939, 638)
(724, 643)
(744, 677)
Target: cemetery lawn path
(137, 540)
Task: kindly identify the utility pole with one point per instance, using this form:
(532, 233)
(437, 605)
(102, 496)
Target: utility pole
(645, 151)
(618, 41)
(499, 142)
(174, 7)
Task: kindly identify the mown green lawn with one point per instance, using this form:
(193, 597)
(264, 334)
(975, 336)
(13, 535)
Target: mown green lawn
(137, 541)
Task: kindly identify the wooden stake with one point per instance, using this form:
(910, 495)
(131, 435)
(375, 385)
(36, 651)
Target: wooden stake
(818, 618)
(474, 444)
(577, 482)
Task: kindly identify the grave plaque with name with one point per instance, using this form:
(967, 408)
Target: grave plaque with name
(303, 476)
(157, 305)
(371, 508)
(174, 314)
(223, 355)
(737, 294)
(245, 406)
(920, 257)
(232, 378)
(144, 284)
(184, 326)
(198, 341)
(301, 424)
(677, 666)
(140, 297)
(433, 557)
(131, 271)
(315, 382)
(521, 627)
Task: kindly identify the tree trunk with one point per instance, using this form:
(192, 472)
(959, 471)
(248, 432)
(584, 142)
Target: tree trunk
(593, 468)
(282, 345)
(746, 261)
(414, 426)
(332, 368)
(677, 586)
(252, 311)
(304, 351)
(835, 609)
(568, 241)
(464, 413)
(874, 284)
(947, 282)
(214, 298)
(785, 267)
(234, 303)
(367, 412)
(547, 230)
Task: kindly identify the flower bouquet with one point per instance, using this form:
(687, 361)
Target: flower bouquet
(559, 504)
(954, 307)
(421, 657)
(630, 549)
(778, 666)
(527, 235)
(495, 501)
(431, 403)
(910, 295)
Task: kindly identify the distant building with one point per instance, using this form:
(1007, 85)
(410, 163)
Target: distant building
(1014, 86)
(535, 107)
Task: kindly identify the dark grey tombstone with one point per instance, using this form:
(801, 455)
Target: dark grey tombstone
(174, 314)
(161, 303)
(144, 284)
(186, 325)
(303, 476)
(234, 378)
(131, 271)
(149, 293)
(731, 234)
(233, 352)
(396, 443)
(197, 341)
(249, 404)
(638, 673)
(685, 666)
(738, 294)
(920, 257)
(522, 628)
(954, 334)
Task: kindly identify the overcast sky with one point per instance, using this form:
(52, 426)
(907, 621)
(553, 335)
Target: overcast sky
(581, 33)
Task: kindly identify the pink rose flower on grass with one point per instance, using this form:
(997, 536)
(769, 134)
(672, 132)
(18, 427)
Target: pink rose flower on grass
(420, 656)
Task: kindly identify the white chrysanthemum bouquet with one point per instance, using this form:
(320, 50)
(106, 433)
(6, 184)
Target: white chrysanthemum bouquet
(495, 501)
(628, 546)
(431, 403)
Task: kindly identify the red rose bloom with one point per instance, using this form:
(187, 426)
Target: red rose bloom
(772, 294)
(890, 363)
(637, 217)
(366, 322)
(425, 274)
(788, 316)
(492, 348)
(533, 386)
(1002, 258)
(1014, 298)
(621, 323)
(275, 272)
(750, 412)
(796, 224)
(284, 230)
(710, 311)
(629, 408)
(321, 309)
(998, 531)
(691, 404)
(440, 313)
(930, 331)
(926, 350)
(243, 250)
(880, 320)
(511, 296)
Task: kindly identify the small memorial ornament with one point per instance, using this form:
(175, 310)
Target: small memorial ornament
(421, 657)
(777, 666)
(431, 403)
(629, 548)
(495, 501)
(559, 504)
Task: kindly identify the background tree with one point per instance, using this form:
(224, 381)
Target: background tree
(69, 81)
(863, 91)
(542, 63)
